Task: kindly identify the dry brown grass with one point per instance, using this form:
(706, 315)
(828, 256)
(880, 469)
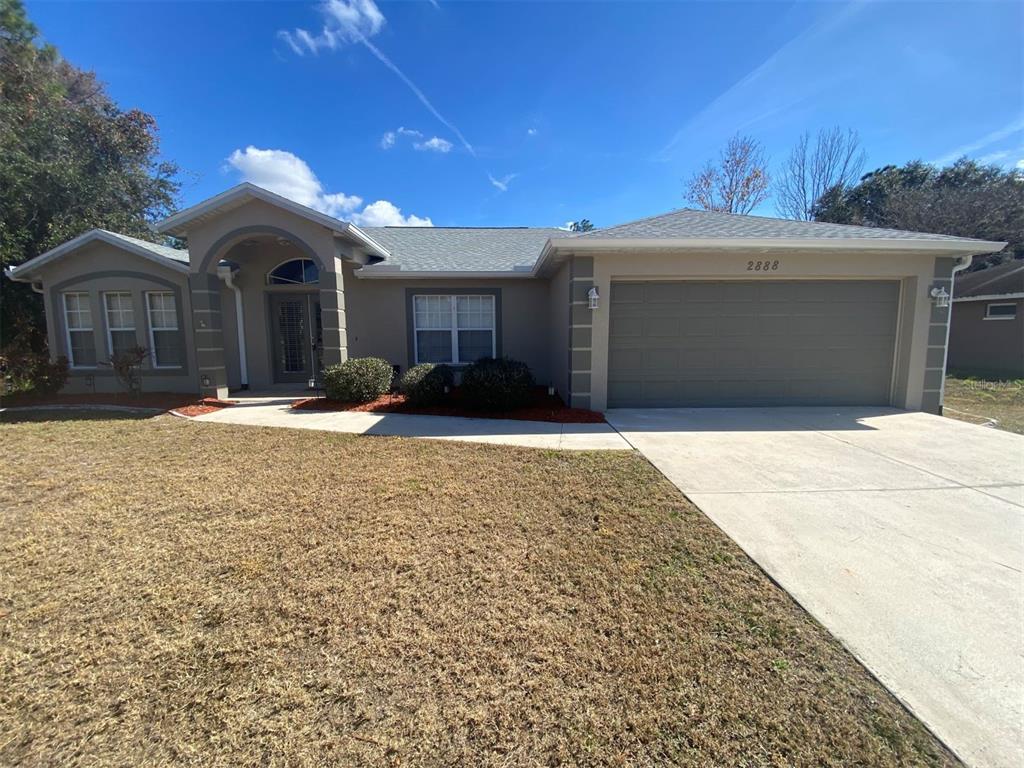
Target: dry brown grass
(175, 592)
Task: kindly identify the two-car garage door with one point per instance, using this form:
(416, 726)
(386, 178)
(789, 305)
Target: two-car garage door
(736, 343)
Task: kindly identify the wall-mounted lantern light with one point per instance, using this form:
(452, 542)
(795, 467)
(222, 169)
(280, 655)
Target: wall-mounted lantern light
(592, 297)
(940, 296)
(204, 380)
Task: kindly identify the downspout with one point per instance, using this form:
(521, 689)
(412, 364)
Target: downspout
(228, 276)
(962, 263)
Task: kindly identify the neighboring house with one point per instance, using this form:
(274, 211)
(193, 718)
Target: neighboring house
(689, 308)
(986, 335)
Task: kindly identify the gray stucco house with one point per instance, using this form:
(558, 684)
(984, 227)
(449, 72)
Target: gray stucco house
(689, 308)
(986, 335)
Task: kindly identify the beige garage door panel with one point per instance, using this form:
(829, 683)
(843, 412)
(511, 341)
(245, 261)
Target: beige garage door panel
(674, 344)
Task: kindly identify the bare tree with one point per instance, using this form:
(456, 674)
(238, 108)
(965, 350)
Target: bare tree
(738, 183)
(835, 160)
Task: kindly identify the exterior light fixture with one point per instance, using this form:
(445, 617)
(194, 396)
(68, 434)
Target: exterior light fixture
(204, 380)
(940, 296)
(592, 297)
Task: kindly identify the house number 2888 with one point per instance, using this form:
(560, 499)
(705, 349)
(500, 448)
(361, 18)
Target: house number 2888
(762, 266)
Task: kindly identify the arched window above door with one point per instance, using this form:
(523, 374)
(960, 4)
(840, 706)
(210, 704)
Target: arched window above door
(294, 272)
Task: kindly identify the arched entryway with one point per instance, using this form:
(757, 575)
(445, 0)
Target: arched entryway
(273, 321)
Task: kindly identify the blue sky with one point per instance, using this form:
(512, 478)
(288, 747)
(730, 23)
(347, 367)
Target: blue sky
(526, 113)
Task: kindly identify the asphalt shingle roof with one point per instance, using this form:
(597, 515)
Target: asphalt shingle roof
(160, 250)
(489, 249)
(1007, 277)
(460, 249)
(687, 223)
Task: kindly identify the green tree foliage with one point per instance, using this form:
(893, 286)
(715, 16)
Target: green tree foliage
(583, 225)
(966, 199)
(70, 159)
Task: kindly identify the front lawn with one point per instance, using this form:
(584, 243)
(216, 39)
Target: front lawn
(979, 400)
(177, 592)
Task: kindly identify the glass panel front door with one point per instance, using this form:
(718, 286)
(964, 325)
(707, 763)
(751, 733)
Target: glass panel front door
(297, 336)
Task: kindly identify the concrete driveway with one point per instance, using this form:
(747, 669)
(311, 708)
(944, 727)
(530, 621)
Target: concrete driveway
(903, 533)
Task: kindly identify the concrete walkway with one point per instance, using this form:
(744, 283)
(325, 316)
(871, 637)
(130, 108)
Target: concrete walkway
(902, 533)
(270, 412)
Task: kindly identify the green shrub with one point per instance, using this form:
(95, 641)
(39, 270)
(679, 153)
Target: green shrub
(497, 384)
(359, 380)
(425, 384)
(27, 370)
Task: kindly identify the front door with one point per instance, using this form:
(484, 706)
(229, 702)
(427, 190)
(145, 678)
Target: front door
(297, 336)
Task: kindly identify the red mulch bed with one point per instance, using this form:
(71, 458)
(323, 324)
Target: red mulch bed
(206, 405)
(185, 404)
(544, 407)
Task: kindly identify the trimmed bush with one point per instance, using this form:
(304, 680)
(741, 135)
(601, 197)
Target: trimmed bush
(425, 384)
(358, 380)
(26, 370)
(497, 384)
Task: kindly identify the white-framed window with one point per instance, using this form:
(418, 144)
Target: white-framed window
(165, 342)
(78, 328)
(453, 329)
(1001, 311)
(120, 322)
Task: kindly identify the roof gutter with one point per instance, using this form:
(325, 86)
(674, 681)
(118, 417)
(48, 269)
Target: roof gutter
(963, 263)
(992, 297)
(227, 274)
(964, 246)
(398, 274)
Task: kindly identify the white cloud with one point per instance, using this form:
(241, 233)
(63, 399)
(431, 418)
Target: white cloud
(531, 131)
(419, 142)
(290, 176)
(356, 21)
(501, 184)
(1020, 163)
(435, 144)
(345, 22)
(383, 213)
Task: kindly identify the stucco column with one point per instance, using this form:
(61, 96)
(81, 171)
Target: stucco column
(208, 330)
(332, 312)
(581, 280)
(938, 338)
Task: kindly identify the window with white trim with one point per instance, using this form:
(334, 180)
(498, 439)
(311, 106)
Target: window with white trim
(120, 323)
(453, 329)
(78, 326)
(1001, 311)
(165, 341)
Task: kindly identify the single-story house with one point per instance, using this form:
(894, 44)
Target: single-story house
(986, 332)
(689, 308)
